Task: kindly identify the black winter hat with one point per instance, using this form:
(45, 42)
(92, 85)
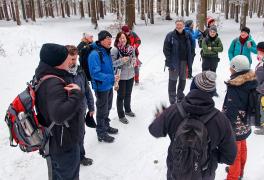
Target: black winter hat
(53, 54)
(103, 34)
(245, 29)
(188, 23)
(260, 46)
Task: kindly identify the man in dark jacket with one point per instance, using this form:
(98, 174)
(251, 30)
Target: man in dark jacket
(77, 76)
(60, 101)
(177, 50)
(199, 102)
(103, 78)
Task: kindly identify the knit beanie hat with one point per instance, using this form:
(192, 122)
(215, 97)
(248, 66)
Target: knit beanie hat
(125, 29)
(53, 54)
(240, 63)
(188, 23)
(260, 46)
(213, 28)
(245, 29)
(205, 81)
(103, 35)
(87, 34)
(210, 20)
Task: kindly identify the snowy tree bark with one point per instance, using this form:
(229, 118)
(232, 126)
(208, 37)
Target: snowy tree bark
(159, 7)
(89, 8)
(213, 6)
(81, 8)
(40, 13)
(243, 15)
(236, 13)
(67, 8)
(177, 7)
(167, 17)
(6, 11)
(33, 14)
(251, 9)
(192, 6)
(202, 14)
(182, 11)
(101, 7)
(187, 7)
(13, 10)
(226, 8)
(151, 8)
(130, 13)
(62, 9)
(260, 6)
(17, 13)
(93, 14)
(232, 11)
(142, 11)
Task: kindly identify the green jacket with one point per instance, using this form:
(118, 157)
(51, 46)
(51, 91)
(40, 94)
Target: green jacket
(215, 44)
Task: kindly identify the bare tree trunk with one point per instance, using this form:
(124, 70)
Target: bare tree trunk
(117, 9)
(168, 10)
(187, 2)
(97, 9)
(255, 6)
(232, 11)
(213, 6)
(93, 14)
(51, 9)
(6, 11)
(89, 8)
(67, 8)
(33, 17)
(148, 10)
(202, 14)
(226, 8)
(13, 10)
(2, 16)
(81, 8)
(159, 7)
(23, 10)
(57, 7)
(130, 13)
(259, 8)
(243, 16)
(182, 11)
(40, 15)
(177, 7)
(236, 13)
(17, 13)
(251, 9)
(62, 9)
(46, 8)
(101, 7)
(192, 6)
(142, 12)
(122, 8)
(151, 7)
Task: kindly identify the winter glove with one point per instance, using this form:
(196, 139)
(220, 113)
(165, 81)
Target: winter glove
(89, 121)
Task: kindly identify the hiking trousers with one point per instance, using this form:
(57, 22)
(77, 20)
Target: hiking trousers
(237, 168)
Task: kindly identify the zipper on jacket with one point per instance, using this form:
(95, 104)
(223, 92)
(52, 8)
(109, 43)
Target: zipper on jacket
(61, 135)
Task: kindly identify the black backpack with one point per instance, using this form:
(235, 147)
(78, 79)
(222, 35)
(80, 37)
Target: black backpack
(84, 52)
(191, 146)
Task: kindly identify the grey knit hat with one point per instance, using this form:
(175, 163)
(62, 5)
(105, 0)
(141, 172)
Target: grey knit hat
(213, 28)
(240, 63)
(205, 81)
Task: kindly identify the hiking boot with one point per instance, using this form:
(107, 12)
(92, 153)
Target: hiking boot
(86, 161)
(106, 138)
(130, 114)
(259, 131)
(123, 120)
(112, 130)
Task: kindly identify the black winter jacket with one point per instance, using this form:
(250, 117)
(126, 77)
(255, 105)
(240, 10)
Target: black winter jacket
(172, 52)
(237, 101)
(55, 104)
(219, 129)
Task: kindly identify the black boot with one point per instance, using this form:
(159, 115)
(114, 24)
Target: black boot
(130, 114)
(86, 161)
(112, 130)
(106, 138)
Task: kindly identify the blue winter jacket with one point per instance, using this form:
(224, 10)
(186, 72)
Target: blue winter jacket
(101, 69)
(236, 48)
(194, 35)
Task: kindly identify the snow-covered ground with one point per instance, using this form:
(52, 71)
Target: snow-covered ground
(134, 151)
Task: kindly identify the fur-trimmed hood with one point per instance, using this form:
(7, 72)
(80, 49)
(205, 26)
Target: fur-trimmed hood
(241, 78)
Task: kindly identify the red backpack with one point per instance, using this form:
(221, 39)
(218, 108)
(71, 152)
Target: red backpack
(22, 121)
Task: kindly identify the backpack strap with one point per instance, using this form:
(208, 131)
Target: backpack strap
(181, 110)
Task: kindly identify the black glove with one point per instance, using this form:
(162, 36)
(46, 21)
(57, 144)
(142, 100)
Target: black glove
(89, 121)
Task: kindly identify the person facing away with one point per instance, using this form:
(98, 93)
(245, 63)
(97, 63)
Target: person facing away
(242, 82)
(59, 101)
(135, 42)
(124, 59)
(260, 89)
(242, 45)
(83, 46)
(198, 102)
(78, 76)
(103, 78)
(195, 34)
(211, 46)
(177, 50)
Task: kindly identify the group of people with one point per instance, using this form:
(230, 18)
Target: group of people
(227, 130)
(67, 96)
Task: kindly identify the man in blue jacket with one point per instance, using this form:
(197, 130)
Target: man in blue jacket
(243, 45)
(103, 78)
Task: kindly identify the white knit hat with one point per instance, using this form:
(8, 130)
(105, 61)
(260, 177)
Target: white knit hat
(240, 63)
(87, 34)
